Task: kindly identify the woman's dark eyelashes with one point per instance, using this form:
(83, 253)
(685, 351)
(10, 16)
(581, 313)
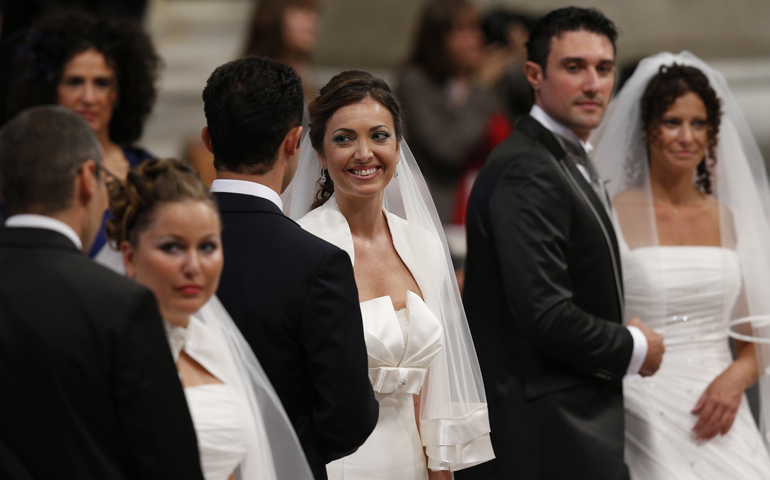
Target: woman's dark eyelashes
(209, 247)
(99, 82)
(171, 247)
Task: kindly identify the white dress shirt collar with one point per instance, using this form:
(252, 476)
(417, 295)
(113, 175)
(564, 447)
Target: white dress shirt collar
(245, 187)
(548, 122)
(29, 220)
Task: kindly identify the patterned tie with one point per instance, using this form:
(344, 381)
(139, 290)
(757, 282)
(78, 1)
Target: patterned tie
(577, 154)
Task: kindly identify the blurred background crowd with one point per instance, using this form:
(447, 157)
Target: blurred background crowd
(454, 64)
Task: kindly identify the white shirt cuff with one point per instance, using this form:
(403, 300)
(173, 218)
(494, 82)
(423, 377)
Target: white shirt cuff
(639, 353)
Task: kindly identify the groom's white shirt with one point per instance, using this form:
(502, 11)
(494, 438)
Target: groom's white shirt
(640, 341)
(245, 187)
(29, 220)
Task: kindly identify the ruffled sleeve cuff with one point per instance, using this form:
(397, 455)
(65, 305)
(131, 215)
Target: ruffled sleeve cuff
(457, 443)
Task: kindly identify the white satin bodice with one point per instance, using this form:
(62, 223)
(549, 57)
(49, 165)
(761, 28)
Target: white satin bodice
(400, 354)
(396, 366)
(687, 293)
(220, 413)
(222, 434)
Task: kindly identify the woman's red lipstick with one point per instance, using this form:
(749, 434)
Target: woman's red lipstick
(189, 289)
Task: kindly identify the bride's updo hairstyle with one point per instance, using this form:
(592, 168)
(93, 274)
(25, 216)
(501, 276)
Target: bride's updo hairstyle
(670, 83)
(153, 183)
(348, 87)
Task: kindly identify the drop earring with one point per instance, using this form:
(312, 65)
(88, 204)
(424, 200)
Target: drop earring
(395, 175)
(323, 174)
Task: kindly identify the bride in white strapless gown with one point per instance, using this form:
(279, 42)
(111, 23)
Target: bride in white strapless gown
(700, 285)
(690, 197)
(401, 346)
(374, 205)
(168, 228)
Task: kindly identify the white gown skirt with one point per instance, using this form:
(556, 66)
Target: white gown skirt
(392, 452)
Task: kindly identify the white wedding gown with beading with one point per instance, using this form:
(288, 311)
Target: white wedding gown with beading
(686, 293)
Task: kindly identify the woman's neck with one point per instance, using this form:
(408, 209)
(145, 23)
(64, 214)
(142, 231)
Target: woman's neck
(178, 321)
(364, 215)
(673, 189)
(114, 158)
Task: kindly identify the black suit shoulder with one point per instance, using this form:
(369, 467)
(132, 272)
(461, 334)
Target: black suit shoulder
(86, 368)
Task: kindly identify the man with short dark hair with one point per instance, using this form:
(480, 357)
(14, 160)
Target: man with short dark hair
(292, 295)
(543, 286)
(89, 386)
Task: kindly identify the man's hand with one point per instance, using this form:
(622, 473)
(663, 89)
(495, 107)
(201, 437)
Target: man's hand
(655, 348)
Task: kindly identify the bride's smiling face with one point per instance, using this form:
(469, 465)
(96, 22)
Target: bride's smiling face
(360, 149)
(179, 257)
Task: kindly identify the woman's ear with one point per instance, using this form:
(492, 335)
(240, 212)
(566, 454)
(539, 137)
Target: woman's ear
(129, 257)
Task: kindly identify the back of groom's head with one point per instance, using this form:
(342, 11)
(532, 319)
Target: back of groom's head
(41, 151)
(568, 19)
(251, 104)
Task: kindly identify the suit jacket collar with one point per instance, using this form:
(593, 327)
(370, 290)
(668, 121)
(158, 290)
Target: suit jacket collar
(545, 137)
(532, 128)
(239, 202)
(27, 237)
(548, 139)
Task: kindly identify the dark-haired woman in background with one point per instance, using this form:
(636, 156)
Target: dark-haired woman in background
(284, 30)
(691, 199)
(446, 97)
(368, 197)
(104, 69)
(167, 227)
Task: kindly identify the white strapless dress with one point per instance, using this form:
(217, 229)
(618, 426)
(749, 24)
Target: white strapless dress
(401, 346)
(220, 413)
(686, 293)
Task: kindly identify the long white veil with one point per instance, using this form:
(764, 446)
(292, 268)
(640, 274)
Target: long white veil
(454, 423)
(276, 453)
(739, 183)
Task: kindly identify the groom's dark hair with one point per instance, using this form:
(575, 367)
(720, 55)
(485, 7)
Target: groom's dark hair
(569, 19)
(250, 105)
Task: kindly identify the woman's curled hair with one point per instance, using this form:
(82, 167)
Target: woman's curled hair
(153, 183)
(57, 38)
(670, 83)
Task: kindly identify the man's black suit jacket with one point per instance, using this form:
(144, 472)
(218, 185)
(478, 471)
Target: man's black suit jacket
(88, 386)
(294, 298)
(543, 296)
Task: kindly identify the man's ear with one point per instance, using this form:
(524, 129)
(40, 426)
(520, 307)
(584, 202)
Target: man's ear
(206, 137)
(292, 141)
(86, 182)
(534, 73)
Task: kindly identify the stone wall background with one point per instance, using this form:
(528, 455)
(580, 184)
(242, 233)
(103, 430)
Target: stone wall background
(195, 36)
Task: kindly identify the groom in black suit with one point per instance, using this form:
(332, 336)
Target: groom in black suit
(543, 286)
(88, 386)
(292, 295)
